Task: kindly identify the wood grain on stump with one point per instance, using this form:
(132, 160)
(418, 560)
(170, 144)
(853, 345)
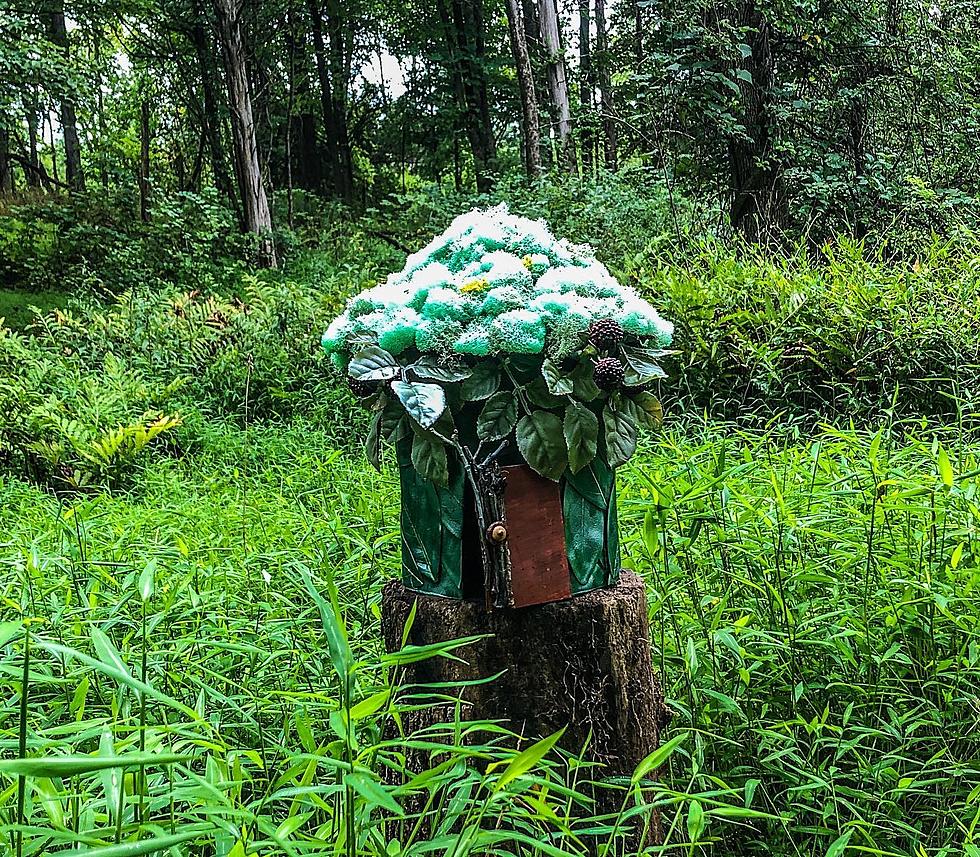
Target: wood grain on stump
(583, 664)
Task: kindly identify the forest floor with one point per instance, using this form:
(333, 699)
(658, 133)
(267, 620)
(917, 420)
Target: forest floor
(814, 603)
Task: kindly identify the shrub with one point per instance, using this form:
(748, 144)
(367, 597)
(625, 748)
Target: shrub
(73, 428)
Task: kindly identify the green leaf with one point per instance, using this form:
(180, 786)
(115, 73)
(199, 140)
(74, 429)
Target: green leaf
(584, 387)
(9, 630)
(539, 394)
(106, 651)
(648, 409)
(146, 581)
(373, 793)
(840, 843)
(558, 384)
(153, 845)
(74, 765)
(695, 820)
(120, 675)
(541, 440)
(373, 364)
(482, 384)
(528, 759)
(945, 468)
(372, 444)
(439, 370)
(658, 757)
(367, 707)
(394, 425)
(620, 436)
(429, 458)
(581, 429)
(341, 657)
(425, 403)
(641, 366)
(498, 417)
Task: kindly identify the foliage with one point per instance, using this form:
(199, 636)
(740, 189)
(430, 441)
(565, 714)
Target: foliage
(96, 244)
(810, 120)
(837, 336)
(813, 607)
(74, 428)
(499, 307)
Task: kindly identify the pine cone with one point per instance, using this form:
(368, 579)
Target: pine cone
(605, 333)
(609, 373)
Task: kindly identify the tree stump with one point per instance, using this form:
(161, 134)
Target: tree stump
(583, 663)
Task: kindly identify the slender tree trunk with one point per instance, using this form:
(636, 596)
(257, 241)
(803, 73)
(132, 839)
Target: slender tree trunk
(339, 72)
(530, 123)
(194, 180)
(755, 176)
(6, 165)
(326, 95)
(857, 126)
(586, 85)
(463, 29)
(34, 173)
(255, 205)
(305, 168)
(144, 172)
(557, 82)
(54, 149)
(69, 122)
(605, 87)
(211, 121)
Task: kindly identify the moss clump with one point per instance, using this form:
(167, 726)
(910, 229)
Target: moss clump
(476, 341)
(519, 331)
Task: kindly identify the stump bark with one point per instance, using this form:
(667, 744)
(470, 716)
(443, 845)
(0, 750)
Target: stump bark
(583, 664)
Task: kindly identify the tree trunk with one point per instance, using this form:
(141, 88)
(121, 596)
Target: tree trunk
(144, 171)
(610, 147)
(6, 165)
(69, 122)
(530, 123)
(54, 149)
(255, 205)
(557, 82)
(340, 72)
(34, 173)
(754, 175)
(582, 664)
(305, 165)
(326, 95)
(586, 85)
(463, 31)
(857, 127)
(210, 120)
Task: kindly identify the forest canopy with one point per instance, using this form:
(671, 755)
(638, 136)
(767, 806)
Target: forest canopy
(777, 121)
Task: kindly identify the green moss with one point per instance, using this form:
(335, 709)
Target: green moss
(519, 332)
(476, 341)
(437, 334)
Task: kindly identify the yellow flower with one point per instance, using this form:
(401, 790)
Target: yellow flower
(478, 285)
(528, 261)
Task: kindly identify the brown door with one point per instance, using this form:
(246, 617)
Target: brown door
(535, 537)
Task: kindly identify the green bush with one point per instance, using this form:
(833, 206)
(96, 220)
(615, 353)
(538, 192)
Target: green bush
(73, 425)
(838, 336)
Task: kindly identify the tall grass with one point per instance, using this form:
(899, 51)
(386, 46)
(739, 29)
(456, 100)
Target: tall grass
(190, 657)
(813, 602)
